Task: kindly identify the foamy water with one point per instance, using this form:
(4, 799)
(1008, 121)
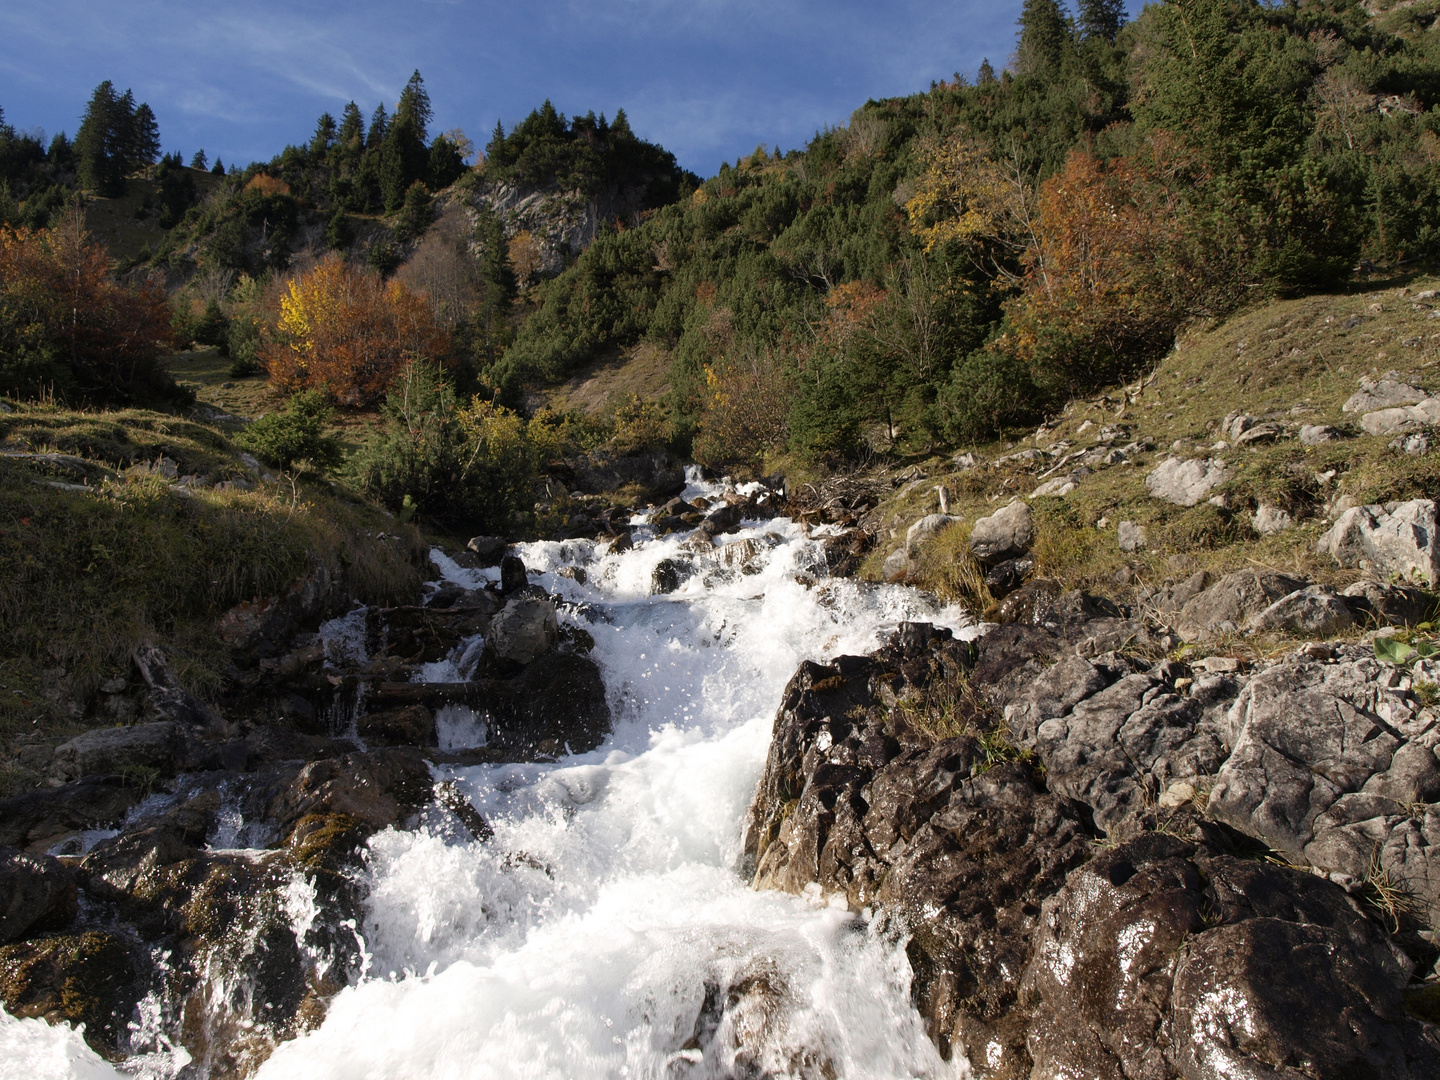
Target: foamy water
(603, 931)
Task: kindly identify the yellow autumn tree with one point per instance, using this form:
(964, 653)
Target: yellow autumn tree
(347, 333)
(963, 195)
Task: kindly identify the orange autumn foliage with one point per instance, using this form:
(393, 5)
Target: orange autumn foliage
(349, 334)
(1115, 263)
(66, 325)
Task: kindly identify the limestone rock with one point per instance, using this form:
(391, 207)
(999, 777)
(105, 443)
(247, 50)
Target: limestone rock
(1186, 481)
(524, 630)
(1303, 735)
(1383, 393)
(927, 527)
(1317, 434)
(1057, 488)
(36, 893)
(1131, 537)
(1401, 543)
(1312, 612)
(1264, 432)
(1271, 520)
(1416, 445)
(1392, 605)
(1226, 606)
(1402, 420)
(1005, 534)
(896, 566)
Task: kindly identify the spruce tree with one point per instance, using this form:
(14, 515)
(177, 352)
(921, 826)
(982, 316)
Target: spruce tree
(1101, 18)
(95, 142)
(324, 137)
(144, 138)
(200, 161)
(1045, 37)
(379, 124)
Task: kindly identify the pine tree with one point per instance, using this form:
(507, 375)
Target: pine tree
(1045, 36)
(144, 138)
(405, 159)
(986, 74)
(200, 161)
(351, 136)
(324, 137)
(379, 124)
(95, 142)
(219, 168)
(1101, 18)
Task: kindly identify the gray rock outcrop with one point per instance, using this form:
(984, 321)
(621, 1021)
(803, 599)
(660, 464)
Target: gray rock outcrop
(1186, 481)
(1005, 534)
(1400, 542)
(524, 630)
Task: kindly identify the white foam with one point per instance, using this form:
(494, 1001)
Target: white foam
(585, 937)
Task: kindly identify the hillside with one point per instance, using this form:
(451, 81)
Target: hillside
(1278, 369)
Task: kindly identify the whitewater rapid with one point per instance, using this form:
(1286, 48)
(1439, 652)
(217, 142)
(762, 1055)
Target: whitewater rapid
(604, 930)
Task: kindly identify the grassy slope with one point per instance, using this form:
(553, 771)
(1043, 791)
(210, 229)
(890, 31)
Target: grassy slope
(99, 554)
(1293, 361)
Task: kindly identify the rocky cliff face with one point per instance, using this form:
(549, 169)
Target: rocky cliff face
(1117, 864)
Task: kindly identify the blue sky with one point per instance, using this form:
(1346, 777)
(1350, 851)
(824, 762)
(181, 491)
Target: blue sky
(707, 79)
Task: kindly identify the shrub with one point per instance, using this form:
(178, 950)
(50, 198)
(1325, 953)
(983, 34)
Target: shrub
(296, 434)
(242, 342)
(472, 466)
(987, 391)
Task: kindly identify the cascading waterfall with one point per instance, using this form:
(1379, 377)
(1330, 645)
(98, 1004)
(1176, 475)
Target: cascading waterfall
(603, 931)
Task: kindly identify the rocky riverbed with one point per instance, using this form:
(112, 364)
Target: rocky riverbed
(1066, 846)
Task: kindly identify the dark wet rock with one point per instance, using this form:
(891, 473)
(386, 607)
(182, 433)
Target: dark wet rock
(1228, 605)
(1270, 997)
(259, 628)
(376, 789)
(1137, 940)
(84, 978)
(38, 820)
(487, 549)
(37, 893)
(142, 748)
(513, 577)
(413, 725)
(657, 474)
(959, 850)
(1008, 576)
(558, 702)
(665, 578)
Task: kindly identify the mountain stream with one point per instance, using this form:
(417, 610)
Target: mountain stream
(604, 930)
